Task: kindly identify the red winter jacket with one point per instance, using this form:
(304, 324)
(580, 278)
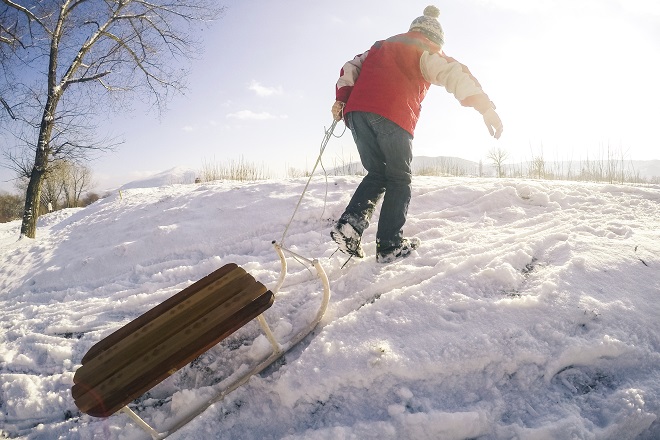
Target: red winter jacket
(391, 79)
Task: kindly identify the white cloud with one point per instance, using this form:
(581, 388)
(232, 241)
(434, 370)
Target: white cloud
(249, 114)
(188, 128)
(261, 90)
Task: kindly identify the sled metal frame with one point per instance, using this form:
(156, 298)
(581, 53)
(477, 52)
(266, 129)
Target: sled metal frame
(278, 349)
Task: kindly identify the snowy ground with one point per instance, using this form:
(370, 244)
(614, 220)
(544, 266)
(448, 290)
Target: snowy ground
(531, 311)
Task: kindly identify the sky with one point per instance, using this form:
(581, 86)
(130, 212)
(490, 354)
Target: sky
(571, 79)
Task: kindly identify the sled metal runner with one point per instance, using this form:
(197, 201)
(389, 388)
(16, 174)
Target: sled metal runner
(87, 395)
(279, 349)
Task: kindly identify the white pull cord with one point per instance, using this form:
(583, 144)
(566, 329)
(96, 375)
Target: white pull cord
(328, 134)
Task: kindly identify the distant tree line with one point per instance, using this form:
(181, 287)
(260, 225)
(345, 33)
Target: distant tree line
(612, 167)
(11, 207)
(67, 185)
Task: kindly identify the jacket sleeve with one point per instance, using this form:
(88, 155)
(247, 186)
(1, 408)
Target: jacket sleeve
(348, 76)
(439, 69)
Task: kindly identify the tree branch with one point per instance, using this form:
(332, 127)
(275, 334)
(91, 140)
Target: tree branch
(28, 13)
(6, 106)
(98, 76)
(135, 57)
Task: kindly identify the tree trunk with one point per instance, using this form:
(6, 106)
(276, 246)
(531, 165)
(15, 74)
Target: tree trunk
(33, 193)
(33, 196)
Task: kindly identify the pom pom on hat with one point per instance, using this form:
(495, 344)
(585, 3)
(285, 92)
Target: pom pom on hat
(431, 11)
(429, 25)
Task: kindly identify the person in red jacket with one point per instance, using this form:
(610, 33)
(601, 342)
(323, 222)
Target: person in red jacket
(379, 95)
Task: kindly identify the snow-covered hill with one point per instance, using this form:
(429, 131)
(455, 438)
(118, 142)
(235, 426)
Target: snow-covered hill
(173, 176)
(531, 311)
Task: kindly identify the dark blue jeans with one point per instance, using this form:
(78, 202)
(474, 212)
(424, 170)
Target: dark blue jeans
(386, 153)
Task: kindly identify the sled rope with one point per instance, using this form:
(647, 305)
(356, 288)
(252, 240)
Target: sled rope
(328, 134)
(346, 262)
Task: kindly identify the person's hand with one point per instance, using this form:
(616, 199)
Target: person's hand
(493, 122)
(338, 110)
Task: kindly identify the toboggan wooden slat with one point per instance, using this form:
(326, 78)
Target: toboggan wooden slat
(141, 354)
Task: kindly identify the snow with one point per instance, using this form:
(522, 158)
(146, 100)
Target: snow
(529, 312)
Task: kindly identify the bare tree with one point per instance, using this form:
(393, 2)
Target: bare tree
(74, 55)
(52, 188)
(65, 186)
(537, 164)
(497, 156)
(78, 181)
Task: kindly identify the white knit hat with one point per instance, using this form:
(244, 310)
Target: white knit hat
(429, 25)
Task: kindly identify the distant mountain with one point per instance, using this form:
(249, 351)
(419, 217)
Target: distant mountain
(455, 166)
(447, 165)
(172, 176)
(646, 168)
(422, 165)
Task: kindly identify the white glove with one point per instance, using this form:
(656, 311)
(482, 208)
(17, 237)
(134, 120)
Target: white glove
(493, 122)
